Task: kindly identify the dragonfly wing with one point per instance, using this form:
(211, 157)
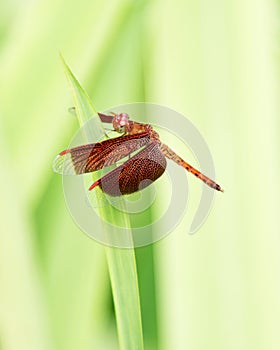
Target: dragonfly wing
(135, 174)
(105, 118)
(95, 156)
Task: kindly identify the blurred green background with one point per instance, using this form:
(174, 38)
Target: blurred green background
(216, 62)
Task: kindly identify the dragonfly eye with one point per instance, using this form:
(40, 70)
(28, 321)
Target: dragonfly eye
(120, 122)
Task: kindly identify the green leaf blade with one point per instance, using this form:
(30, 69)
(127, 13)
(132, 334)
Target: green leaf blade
(121, 262)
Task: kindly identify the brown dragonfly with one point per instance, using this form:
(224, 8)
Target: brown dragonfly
(138, 171)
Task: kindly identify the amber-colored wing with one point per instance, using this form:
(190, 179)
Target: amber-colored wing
(95, 156)
(135, 174)
(105, 118)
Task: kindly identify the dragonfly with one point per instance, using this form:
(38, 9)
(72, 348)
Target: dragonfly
(138, 171)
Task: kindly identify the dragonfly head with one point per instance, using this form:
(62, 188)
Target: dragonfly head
(121, 122)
